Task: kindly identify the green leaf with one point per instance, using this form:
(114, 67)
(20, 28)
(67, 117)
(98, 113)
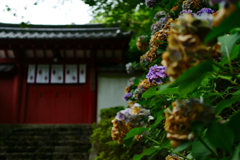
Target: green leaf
(128, 140)
(136, 81)
(146, 152)
(192, 84)
(234, 54)
(199, 151)
(220, 136)
(236, 153)
(227, 43)
(195, 71)
(193, 77)
(225, 103)
(150, 92)
(173, 90)
(159, 118)
(236, 93)
(234, 125)
(184, 145)
(225, 26)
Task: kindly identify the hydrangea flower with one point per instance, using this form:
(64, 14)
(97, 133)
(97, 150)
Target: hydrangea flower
(133, 114)
(150, 3)
(131, 81)
(185, 12)
(127, 96)
(129, 68)
(205, 10)
(159, 25)
(156, 73)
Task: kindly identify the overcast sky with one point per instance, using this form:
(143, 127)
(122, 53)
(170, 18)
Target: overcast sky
(45, 12)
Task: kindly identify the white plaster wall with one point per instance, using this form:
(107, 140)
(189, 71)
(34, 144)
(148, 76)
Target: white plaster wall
(111, 89)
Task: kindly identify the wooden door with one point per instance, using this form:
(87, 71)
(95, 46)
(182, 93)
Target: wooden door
(57, 104)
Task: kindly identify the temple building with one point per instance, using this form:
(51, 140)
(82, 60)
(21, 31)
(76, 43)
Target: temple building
(56, 74)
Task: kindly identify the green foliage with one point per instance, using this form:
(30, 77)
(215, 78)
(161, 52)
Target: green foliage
(101, 137)
(213, 84)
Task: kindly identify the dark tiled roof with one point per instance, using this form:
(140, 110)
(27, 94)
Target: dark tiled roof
(89, 31)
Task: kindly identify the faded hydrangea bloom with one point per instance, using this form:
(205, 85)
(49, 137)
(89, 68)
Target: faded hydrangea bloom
(133, 114)
(137, 94)
(131, 81)
(156, 73)
(129, 68)
(211, 2)
(150, 3)
(185, 12)
(159, 25)
(127, 96)
(183, 113)
(205, 10)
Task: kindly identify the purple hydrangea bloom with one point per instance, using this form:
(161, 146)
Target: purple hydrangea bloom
(127, 96)
(205, 10)
(156, 73)
(185, 12)
(150, 3)
(124, 115)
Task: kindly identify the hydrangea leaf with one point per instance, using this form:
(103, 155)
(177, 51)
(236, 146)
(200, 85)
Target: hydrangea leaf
(227, 43)
(236, 153)
(234, 124)
(184, 145)
(220, 136)
(227, 24)
(146, 152)
(128, 140)
(225, 103)
(150, 92)
(136, 81)
(173, 90)
(199, 151)
(159, 118)
(236, 93)
(235, 52)
(193, 77)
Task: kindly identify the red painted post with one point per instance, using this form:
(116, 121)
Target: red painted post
(16, 94)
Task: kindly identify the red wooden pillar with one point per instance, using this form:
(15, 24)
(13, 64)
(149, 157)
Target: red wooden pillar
(24, 94)
(16, 103)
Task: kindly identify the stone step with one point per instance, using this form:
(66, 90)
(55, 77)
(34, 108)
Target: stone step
(47, 138)
(46, 143)
(41, 149)
(45, 132)
(44, 156)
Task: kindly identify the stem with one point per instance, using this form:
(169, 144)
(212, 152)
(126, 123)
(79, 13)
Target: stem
(218, 93)
(177, 153)
(236, 63)
(164, 135)
(152, 139)
(201, 140)
(229, 60)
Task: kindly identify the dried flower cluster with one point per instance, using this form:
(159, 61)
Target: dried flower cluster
(226, 9)
(193, 4)
(128, 119)
(178, 121)
(173, 157)
(156, 40)
(144, 85)
(185, 45)
(142, 43)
